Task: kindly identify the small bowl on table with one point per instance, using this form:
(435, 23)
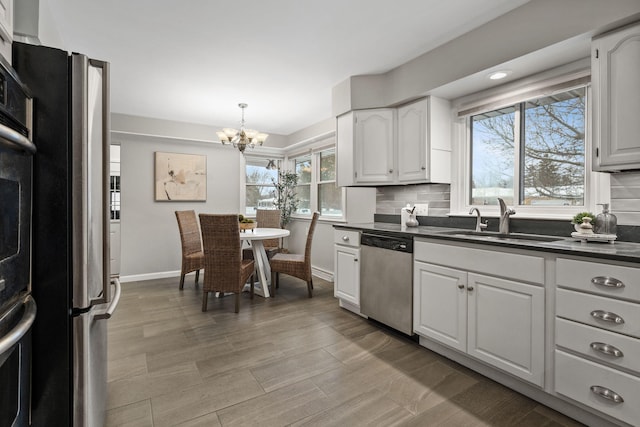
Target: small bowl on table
(244, 226)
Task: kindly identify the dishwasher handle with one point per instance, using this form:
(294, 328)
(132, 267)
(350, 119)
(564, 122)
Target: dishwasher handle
(393, 243)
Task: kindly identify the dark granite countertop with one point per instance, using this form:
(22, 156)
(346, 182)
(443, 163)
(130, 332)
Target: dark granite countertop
(618, 251)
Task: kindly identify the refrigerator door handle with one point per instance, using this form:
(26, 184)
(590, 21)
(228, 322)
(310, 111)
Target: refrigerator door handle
(23, 326)
(114, 302)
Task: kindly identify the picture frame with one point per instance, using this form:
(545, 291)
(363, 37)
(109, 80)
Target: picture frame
(180, 177)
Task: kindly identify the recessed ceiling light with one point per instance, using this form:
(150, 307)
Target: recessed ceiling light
(499, 75)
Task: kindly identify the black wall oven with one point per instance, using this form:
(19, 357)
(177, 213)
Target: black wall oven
(17, 308)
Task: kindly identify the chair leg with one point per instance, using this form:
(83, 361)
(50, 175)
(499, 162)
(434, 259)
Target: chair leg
(197, 275)
(204, 300)
(182, 281)
(252, 286)
(310, 287)
(237, 302)
(274, 279)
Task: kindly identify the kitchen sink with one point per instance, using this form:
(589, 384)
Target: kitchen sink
(489, 235)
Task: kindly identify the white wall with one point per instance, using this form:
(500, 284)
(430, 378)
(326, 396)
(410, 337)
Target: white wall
(150, 240)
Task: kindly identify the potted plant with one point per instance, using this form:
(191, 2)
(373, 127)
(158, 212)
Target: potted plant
(577, 219)
(285, 195)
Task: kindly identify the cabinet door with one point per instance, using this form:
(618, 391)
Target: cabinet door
(347, 274)
(615, 65)
(506, 325)
(440, 304)
(374, 146)
(412, 142)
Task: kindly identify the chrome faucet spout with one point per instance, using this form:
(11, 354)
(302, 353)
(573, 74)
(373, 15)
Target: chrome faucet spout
(479, 225)
(504, 217)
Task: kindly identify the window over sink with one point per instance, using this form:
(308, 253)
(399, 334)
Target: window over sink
(528, 143)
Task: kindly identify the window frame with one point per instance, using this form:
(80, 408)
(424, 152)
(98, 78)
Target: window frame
(596, 184)
(244, 184)
(314, 154)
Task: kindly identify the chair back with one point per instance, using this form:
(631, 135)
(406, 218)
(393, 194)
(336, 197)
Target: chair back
(189, 232)
(269, 218)
(307, 248)
(222, 254)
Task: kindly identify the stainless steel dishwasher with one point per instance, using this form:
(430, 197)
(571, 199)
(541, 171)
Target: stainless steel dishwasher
(386, 280)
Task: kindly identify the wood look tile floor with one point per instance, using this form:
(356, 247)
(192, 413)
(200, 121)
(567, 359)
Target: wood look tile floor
(283, 361)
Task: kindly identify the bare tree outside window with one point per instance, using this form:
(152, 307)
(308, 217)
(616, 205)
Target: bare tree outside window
(549, 135)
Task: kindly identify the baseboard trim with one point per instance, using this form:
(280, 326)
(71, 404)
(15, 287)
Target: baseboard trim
(151, 276)
(322, 273)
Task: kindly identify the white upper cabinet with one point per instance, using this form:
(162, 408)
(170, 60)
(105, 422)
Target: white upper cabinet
(6, 28)
(424, 141)
(387, 146)
(616, 105)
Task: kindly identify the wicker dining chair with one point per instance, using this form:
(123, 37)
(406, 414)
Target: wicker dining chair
(224, 268)
(192, 255)
(296, 265)
(266, 218)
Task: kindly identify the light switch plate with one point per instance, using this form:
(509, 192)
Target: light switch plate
(422, 209)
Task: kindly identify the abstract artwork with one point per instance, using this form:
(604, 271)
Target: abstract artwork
(181, 177)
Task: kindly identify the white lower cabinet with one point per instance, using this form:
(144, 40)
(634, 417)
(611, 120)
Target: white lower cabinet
(346, 264)
(496, 320)
(597, 357)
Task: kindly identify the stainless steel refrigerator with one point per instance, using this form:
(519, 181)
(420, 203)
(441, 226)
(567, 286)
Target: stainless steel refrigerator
(70, 265)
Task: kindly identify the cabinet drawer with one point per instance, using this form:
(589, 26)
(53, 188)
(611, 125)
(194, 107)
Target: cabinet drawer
(586, 308)
(623, 282)
(346, 237)
(513, 266)
(580, 338)
(575, 378)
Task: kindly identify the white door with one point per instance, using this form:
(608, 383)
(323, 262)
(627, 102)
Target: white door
(374, 146)
(347, 274)
(440, 304)
(506, 325)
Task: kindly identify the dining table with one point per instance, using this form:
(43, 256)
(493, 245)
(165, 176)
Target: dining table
(254, 238)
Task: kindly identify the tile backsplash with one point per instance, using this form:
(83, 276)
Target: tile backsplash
(391, 199)
(625, 197)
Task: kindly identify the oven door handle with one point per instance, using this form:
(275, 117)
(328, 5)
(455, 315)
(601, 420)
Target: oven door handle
(23, 326)
(15, 140)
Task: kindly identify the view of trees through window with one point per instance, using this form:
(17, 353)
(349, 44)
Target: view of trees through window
(531, 153)
(317, 188)
(259, 192)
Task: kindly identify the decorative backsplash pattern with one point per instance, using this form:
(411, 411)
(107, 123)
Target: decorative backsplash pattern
(391, 199)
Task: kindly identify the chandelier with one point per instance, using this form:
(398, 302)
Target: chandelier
(243, 138)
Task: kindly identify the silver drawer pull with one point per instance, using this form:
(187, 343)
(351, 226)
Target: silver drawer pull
(606, 393)
(345, 238)
(607, 316)
(607, 282)
(461, 286)
(606, 349)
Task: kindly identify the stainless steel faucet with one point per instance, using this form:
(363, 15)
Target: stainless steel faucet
(504, 217)
(479, 225)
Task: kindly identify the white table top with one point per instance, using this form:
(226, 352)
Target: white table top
(264, 233)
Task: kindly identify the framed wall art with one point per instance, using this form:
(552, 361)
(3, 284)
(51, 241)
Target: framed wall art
(180, 177)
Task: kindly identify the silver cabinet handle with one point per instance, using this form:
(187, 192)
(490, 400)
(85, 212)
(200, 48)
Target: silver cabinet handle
(607, 316)
(423, 168)
(470, 288)
(390, 170)
(606, 349)
(345, 238)
(355, 259)
(461, 286)
(606, 393)
(607, 282)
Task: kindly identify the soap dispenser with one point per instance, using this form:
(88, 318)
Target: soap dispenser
(606, 222)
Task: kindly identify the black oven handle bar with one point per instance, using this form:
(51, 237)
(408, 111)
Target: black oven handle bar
(15, 335)
(11, 139)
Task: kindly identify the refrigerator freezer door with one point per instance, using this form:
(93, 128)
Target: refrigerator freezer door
(90, 369)
(90, 181)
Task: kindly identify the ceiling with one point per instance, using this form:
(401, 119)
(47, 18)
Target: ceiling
(195, 61)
